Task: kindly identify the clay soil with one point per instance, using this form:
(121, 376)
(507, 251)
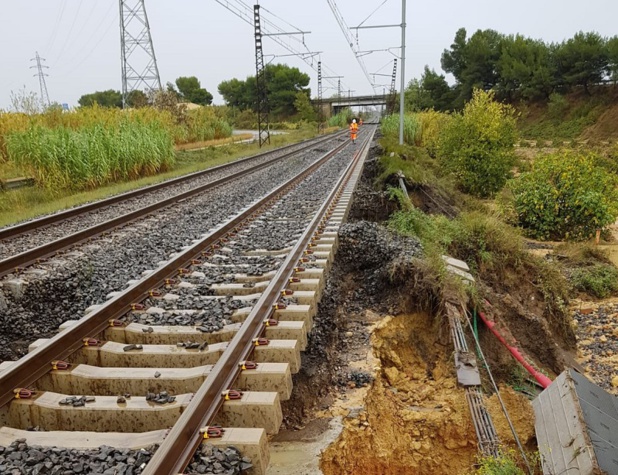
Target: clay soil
(415, 418)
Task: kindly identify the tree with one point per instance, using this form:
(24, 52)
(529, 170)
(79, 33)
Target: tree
(612, 58)
(525, 69)
(137, 99)
(237, 93)
(566, 195)
(477, 146)
(304, 107)
(431, 92)
(473, 62)
(453, 60)
(191, 90)
(582, 60)
(283, 83)
(109, 98)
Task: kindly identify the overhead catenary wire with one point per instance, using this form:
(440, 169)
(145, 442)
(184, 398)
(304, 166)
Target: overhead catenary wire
(350, 39)
(245, 13)
(373, 12)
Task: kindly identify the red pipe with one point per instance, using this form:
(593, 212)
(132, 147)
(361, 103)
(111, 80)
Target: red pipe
(541, 378)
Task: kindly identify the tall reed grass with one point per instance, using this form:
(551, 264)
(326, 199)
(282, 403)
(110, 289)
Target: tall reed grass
(412, 128)
(92, 146)
(93, 155)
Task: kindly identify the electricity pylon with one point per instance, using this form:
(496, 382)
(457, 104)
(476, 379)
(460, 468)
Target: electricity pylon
(139, 63)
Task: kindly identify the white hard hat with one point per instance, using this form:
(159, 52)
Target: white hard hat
(354, 121)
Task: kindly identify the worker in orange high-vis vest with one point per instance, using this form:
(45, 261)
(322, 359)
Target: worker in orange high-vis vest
(353, 130)
(360, 122)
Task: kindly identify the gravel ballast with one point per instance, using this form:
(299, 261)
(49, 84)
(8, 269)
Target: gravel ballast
(85, 276)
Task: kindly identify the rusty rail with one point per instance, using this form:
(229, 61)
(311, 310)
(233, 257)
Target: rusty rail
(32, 256)
(72, 212)
(177, 450)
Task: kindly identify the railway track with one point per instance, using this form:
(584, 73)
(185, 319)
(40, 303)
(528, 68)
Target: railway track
(32, 241)
(119, 377)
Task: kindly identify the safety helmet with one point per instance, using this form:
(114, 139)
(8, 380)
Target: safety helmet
(354, 121)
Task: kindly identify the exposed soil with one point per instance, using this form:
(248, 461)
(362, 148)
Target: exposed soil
(416, 418)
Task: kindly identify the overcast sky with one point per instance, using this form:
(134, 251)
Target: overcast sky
(80, 39)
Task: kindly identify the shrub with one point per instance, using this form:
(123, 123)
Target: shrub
(432, 125)
(599, 281)
(565, 196)
(557, 107)
(477, 146)
(342, 119)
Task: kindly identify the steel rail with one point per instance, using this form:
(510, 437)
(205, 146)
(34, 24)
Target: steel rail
(34, 255)
(78, 210)
(34, 365)
(178, 448)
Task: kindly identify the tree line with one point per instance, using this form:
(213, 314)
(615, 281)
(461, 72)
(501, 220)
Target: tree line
(515, 67)
(186, 88)
(287, 89)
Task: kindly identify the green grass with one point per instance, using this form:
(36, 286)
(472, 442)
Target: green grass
(600, 280)
(568, 124)
(504, 464)
(10, 170)
(27, 203)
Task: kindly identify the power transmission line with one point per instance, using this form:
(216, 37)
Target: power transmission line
(52, 38)
(66, 41)
(103, 20)
(41, 75)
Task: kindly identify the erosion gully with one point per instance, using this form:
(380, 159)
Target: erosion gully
(196, 383)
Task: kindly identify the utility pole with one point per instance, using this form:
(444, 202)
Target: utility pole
(138, 60)
(338, 78)
(260, 79)
(41, 75)
(403, 70)
(320, 108)
(393, 92)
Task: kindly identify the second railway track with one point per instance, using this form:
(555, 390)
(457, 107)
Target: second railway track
(122, 375)
(25, 243)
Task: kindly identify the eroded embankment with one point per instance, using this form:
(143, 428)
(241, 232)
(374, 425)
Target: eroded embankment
(380, 315)
(415, 418)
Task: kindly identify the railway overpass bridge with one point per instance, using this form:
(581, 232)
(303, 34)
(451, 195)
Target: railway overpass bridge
(332, 105)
